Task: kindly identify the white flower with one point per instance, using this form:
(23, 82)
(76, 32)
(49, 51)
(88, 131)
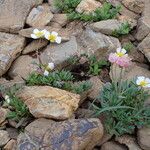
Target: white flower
(38, 34)
(46, 73)
(53, 37)
(7, 99)
(51, 66)
(120, 52)
(143, 81)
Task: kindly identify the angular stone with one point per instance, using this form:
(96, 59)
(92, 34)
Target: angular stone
(11, 145)
(60, 53)
(4, 137)
(62, 32)
(61, 19)
(112, 146)
(34, 46)
(3, 114)
(97, 86)
(49, 102)
(144, 138)
(13, 13)
(87, 6)
(129, 141)
(136, 6)
(22, 67)
(107, 26)
(91, 42)
(74, 134)
(144, 47)
(39, 16)
(10, 47)
(144, 23)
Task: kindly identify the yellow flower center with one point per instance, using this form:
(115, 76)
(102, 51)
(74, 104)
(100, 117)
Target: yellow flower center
(52, 38)
(120, 54)
(143, 83)
(39, 34)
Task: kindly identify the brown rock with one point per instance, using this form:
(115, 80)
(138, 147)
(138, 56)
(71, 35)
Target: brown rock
(62, 32)
(4, 137)
(39, 16)
(129, 141)
(34, 46)
(49, 102)
(11, 145)
(10, 47)
(60, 53)
(87, 6)
(13, 14)
(74, 134)
(112, 146)
(3, 114)
(97, 86)
(144, 47)
(136, 6)
(106, 26)
(144, 23)
(61, 19)
(22, 67)
(144, 138)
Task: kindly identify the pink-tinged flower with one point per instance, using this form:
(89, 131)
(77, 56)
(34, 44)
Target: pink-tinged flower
(120, 58)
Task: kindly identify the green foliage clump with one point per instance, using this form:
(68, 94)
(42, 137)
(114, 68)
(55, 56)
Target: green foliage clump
(19, 109)
(59, 79)
(67, 6)
(128, 46)
(107, 11)
(122, 105)
(95, 65)
(124, 29)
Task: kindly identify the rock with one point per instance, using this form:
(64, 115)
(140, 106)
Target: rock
(53, 7)
(74, 134)
(100, 45)
(13, 14)
(22, 67)
(4, 137)
(136, 6)
(62, 32)
(49, 102)
(11, 145)
(34, 46)
(144, 138)
(83, 113)
(60, 53)
(144, 47)
(106, 26)
(61, 19)
(3, 114)
(86, 6)
(112, 146)
(97, 86)
(13, 133)
(143, 28)
(10, 47)
(129, 141)
(39, 16)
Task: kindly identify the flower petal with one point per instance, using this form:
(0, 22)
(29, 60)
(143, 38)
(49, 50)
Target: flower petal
(44, 31)
(54, 33)
(35, 31)
(123, 51)
(118, 50)
(46, 73)
(34, 36)
(51, 66)
(147, 80)
(47, 34)
(58, 40)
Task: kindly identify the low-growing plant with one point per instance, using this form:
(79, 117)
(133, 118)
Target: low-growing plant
(123, 108)
(67, 6)
(107, 11)
(59, 79)
(124, 29)
(18, 109)
(128, 46)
